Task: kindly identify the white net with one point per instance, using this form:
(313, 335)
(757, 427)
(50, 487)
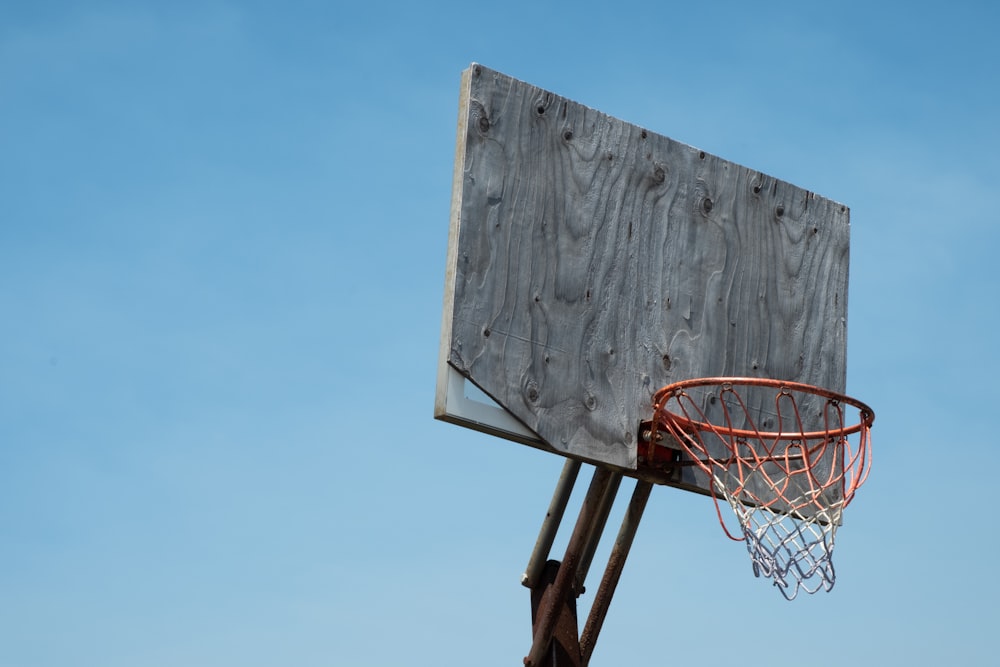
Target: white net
(788, 486)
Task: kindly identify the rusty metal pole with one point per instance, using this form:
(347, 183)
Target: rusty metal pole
(564, 647)
(606, 589)
(550, 525)
(561, 588)
(596, 531)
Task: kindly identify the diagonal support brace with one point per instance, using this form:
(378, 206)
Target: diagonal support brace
(562, 586)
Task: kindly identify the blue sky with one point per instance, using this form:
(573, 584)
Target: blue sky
(222, 240)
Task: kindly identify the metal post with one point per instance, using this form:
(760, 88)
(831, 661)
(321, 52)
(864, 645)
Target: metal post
(562, 586)
(596, 531)
(606, 589)
(550, 525)
(564, 647)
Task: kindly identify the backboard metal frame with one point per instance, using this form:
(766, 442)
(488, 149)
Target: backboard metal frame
(460, 402)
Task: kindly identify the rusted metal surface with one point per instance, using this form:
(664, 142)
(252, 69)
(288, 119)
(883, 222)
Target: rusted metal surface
(596, 531)
(550, 525)
(564, 648)
(613, 572)
(561, 589)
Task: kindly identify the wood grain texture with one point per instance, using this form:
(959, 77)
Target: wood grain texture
(594, 261)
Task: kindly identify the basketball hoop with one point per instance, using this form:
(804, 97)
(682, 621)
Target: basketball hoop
(784, 457)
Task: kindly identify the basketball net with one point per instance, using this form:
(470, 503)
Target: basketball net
(787, 482)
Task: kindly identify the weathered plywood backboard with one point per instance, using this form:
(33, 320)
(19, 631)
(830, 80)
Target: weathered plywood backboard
(591, 262)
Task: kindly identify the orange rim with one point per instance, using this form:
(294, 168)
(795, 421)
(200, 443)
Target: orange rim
(678, 389)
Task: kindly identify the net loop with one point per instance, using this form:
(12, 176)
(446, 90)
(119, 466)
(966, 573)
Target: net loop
(784, 458)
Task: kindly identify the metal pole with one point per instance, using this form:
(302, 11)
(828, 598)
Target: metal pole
(613, 573)
(567, 569)
(564, 647)
(596, 531)
(550, 525)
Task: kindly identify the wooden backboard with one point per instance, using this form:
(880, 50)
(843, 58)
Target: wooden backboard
(591, 262)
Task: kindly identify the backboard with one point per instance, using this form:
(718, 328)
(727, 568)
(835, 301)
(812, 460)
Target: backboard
(591, 261)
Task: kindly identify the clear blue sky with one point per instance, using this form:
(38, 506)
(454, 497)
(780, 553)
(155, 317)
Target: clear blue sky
(222, 242)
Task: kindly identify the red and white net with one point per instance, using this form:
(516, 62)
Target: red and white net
(786, 457)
